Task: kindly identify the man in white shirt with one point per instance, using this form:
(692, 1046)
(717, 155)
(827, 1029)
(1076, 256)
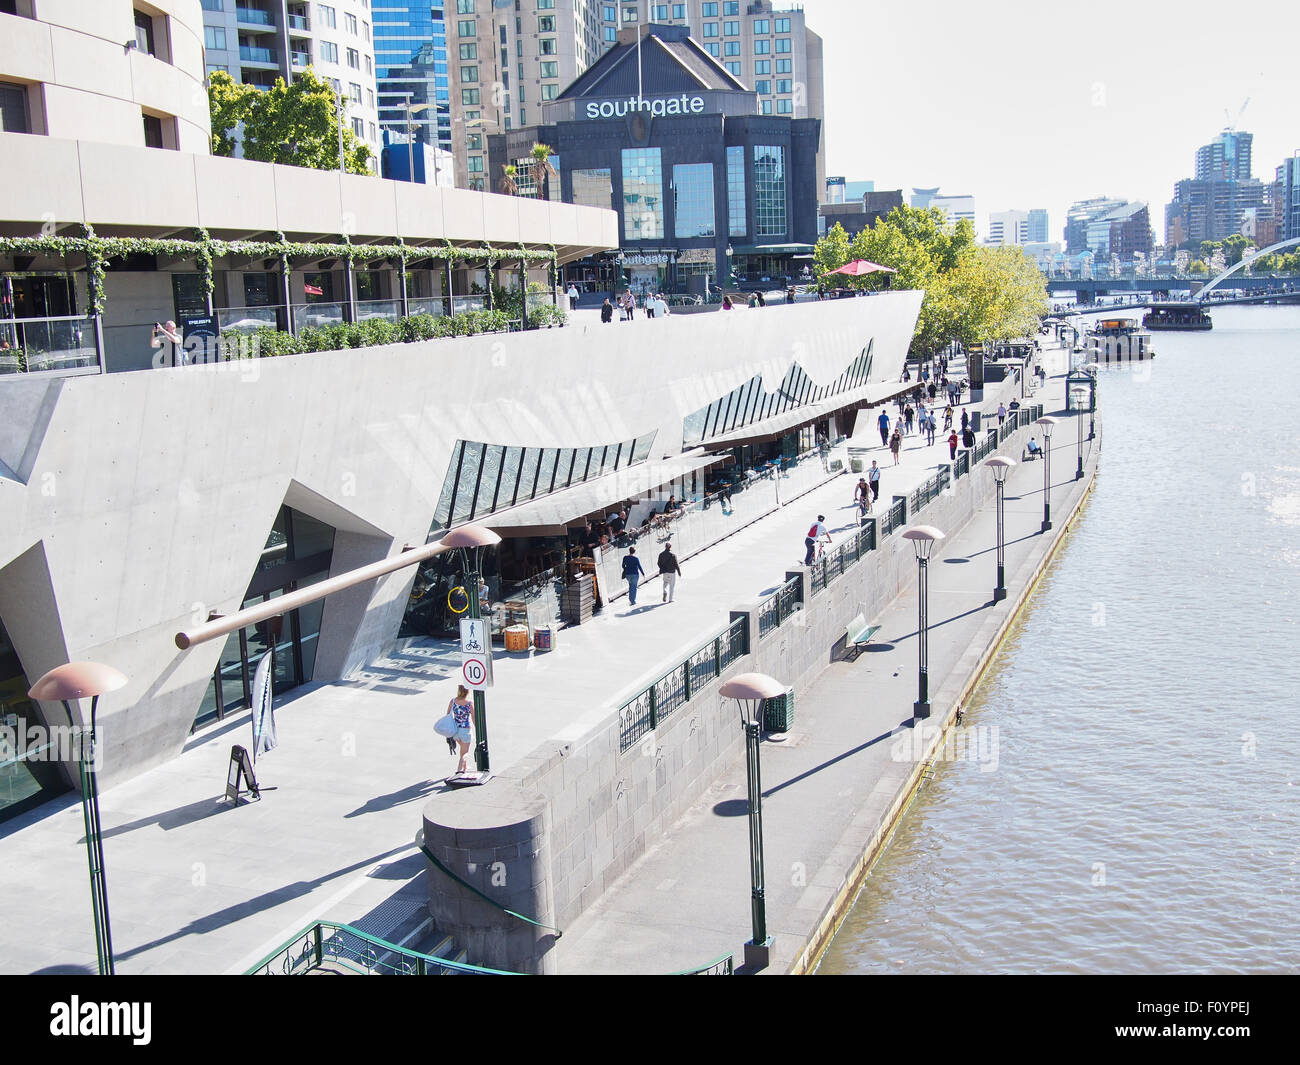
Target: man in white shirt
(816, 533)
(573, 296)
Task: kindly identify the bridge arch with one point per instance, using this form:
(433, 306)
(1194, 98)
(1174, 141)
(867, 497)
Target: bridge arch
(1244, 262)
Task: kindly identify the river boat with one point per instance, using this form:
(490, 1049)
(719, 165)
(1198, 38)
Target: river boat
(1177, 317)
(1118, 340)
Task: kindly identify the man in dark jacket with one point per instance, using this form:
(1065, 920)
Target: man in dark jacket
(633, 571)
(607, 312)
(669, 570)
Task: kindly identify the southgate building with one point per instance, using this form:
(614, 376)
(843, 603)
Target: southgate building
(704, 184)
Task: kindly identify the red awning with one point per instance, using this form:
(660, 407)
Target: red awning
(861, 267)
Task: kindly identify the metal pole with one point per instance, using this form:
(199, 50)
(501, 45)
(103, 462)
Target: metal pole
(410, 147)
(758, 905)
(94, 844)
(1078, 415)
(1047, 482)
(338, 95)
(1000, 592)
(480, 703)
(922, 707)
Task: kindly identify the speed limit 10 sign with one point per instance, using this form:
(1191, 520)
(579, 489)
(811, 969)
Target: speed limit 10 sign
(477, 672)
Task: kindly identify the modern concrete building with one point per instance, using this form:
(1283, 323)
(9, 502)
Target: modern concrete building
(1286, 199)
(1038, 226)
(115, 71)
(258, 41)
(1008, 227)
(703, 184)
(860, 212)
(1106, 226)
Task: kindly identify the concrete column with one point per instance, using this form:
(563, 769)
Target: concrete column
(350, 290)
(495, 837)
(447, 285)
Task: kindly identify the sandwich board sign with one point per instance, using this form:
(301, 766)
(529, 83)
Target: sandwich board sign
(475, 653)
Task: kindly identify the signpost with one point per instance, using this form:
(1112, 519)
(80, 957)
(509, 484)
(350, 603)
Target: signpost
(475, 654)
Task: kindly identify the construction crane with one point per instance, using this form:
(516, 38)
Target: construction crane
(1231, 126)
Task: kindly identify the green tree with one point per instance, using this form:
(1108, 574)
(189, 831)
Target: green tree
(543, 171)
(1233, 247)
(296, 125)
(831, 251)
(507, 183)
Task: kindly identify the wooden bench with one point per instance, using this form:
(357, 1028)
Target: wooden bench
(858, 633)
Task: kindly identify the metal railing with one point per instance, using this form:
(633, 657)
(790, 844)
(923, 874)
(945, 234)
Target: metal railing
(33, 345)
(924, 494)
(834, 564)
(299, 22)
(724, 966)
(894, 518)
(643, 712)
(249, 54)
(315, 315)
(340, 946)
(961, 465)
(778, 606)
(389, 310)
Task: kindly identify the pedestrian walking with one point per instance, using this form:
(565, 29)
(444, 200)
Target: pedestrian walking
(896, 444)
(873, 478)
(883, 423)
(461, 710)
(947, 418)
(1002, 413)
(968, 438)
(965, 420)
(573, 296)
(952, 445)
(633, 571)
(606, 312)
(669, 570)
(726, 303)
(816, 533)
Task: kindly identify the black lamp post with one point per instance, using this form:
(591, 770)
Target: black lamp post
(1047, 423)
(750, 690)
(470, 540)
(65, 683)
(923, 538)
(1091, 368)
(1001, 466)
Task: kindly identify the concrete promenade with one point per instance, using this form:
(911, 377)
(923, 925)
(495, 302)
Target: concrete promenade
(834, 785)
(198, 886)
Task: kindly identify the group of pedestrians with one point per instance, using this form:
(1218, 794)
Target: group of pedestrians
(669, 570)
(654, 305)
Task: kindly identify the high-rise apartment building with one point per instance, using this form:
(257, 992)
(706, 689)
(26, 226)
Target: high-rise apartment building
(412, 72)
(1214, 204)
(510, 56)
(1038, 226)
(1008, 227)
(1286, 199)
(258, 41)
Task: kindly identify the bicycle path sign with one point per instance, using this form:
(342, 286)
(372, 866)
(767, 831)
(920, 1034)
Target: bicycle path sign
(475, 653)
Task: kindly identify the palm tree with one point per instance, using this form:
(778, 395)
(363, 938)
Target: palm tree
(507, 185)
(543, 171)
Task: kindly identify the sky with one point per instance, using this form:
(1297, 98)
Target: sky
(1039, 103)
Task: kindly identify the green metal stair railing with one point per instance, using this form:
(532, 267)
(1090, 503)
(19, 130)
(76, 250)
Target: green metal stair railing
(357, 952)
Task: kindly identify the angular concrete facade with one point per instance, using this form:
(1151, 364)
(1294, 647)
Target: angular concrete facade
(135, 504)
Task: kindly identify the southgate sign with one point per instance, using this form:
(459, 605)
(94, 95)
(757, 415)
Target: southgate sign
(664, 105)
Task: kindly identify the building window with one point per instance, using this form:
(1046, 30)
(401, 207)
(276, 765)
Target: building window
(762, 47)
(550, 91)
(469, 75)
(733, 47)
(464, 7)
(365, 30)
(326, 16)
(763, 88)
(762, 25)
(214, 37)
(546, 5)
(370, 66)
(710, 29)
(13, 109)
(714, 49)
(354, 92)
(679, 10)
(144, 32)
(783, 66)
(546, 46)
(359, 128)
(784, 85)
(693, 200)
(214, 67)
(733, 69)
(474, 164)
(329, 52)
(661, 13)
(731, 7)
(643, 205)
(350, 23)
(549, 69)
(593, 188)
(354, 59)
(762, 66)
(610, 13)
(469, 97)
(783, 25)
(474, 142)
(767, 107)
(769, 190)
(709, 10)
(545, 23)
(785, 107)
(782, 44)
(469, 51)
(630, 14)
(730, 29)
(611, 34)
(153, 131)
(736, 191)
(211, 5)
(465, 28)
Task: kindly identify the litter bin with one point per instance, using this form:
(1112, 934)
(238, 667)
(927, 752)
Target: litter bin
(975, 421)
(778, 712)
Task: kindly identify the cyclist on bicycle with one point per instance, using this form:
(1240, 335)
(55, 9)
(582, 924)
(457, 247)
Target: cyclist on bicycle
(817, 534)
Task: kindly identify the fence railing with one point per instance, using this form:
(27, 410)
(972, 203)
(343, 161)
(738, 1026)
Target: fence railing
(31, 345)
(315, 315)
(644, 711)
(834, 564)
(724, 966)
(389, 310)
(248, 319)
(340, 946)
(434, 305)
(778, 606)
(923, 494)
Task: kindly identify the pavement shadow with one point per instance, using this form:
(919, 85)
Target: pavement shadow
(832, 761)
(189, 814)
(410, 793)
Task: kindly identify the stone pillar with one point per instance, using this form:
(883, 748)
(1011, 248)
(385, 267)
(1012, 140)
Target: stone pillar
(494, 837)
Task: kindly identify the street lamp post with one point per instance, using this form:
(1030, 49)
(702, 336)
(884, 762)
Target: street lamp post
(923, 538)
(1001, 466)
(470, 540)
(65, 683)
(1047, 423)
(750, 690)
(1078, 421)
(1092, 368)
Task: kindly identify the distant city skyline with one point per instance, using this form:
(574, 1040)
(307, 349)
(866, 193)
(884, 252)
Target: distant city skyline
(1036, 105)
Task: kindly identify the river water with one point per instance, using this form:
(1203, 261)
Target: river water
(1144, 812)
